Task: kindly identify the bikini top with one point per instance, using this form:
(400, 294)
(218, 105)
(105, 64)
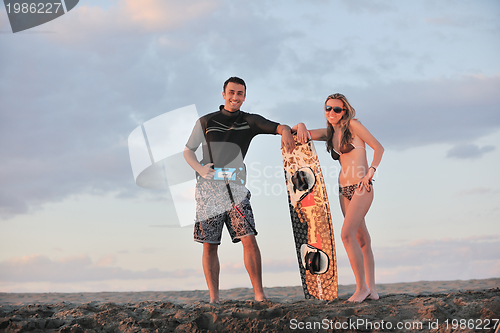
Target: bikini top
(344, 150)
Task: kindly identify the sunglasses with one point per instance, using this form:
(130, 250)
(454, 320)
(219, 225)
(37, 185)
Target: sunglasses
(336, 109)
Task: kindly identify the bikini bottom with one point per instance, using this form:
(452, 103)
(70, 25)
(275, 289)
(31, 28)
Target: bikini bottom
(349, 190)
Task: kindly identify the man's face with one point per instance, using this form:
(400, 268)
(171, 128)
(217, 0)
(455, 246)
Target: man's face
(234, 96)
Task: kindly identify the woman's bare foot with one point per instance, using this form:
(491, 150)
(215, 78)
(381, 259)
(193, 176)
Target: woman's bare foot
(373, 295)
(360, 295)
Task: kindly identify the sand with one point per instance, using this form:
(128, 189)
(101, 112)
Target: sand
(438, 306)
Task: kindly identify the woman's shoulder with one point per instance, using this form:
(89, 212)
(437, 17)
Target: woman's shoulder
(355, 121)
(355, 124)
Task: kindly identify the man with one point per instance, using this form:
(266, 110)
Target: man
(226, 136)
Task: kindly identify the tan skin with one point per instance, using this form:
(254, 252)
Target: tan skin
(354, 170)
(234, 96)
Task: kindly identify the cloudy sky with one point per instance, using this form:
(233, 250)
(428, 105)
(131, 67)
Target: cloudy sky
(424, 77)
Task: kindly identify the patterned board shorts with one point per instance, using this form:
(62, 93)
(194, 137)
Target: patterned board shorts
(214, 209)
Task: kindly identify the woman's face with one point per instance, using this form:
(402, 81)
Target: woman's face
(331, 116)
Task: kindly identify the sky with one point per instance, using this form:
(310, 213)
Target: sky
(423, 76)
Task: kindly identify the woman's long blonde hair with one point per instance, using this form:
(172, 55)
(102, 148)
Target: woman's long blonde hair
(346, 135)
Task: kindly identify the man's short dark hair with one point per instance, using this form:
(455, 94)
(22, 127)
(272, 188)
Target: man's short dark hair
(234, 79)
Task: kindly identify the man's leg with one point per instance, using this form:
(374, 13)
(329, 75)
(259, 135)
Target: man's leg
(211, 268)
(253, 264)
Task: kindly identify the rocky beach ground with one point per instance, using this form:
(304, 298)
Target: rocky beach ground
(445, 306)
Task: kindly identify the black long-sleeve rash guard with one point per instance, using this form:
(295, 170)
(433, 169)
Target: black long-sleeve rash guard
(229, 135)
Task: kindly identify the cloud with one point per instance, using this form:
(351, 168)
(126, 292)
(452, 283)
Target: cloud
(460, 20)
(106, 260)
(371, 7)
(477, 191)
(409, 114)
(68, 108)
(283, 265)
(86, 23)
(268, 266)
(161, 14)
(474, 257)
(76, 269)
(469, 151)
(71, 98)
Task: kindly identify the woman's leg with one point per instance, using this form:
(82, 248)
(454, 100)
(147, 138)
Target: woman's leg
(364, 241)
(354, 213)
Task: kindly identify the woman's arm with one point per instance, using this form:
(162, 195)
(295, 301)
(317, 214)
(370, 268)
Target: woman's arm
(302, 133)
(366, 136)
(359, 130)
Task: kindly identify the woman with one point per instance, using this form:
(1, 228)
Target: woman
(345, 140)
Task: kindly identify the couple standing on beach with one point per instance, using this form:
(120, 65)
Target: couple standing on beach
(225, 136)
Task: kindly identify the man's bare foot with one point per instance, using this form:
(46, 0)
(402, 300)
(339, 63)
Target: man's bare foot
(260, 298)
(359, 296)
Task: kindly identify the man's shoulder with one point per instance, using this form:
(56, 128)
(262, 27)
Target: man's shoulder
(205, 118)
(220, 115)
(255, 118)
(248, 115)
(244, 116)
(214, 113)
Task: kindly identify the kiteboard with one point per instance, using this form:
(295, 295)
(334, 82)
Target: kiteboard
(311, 222)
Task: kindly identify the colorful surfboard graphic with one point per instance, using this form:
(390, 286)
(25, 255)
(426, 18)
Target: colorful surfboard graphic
(311, 222)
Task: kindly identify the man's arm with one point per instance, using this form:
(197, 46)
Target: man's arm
(205, 171)
(197, 137)
(287, 140)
